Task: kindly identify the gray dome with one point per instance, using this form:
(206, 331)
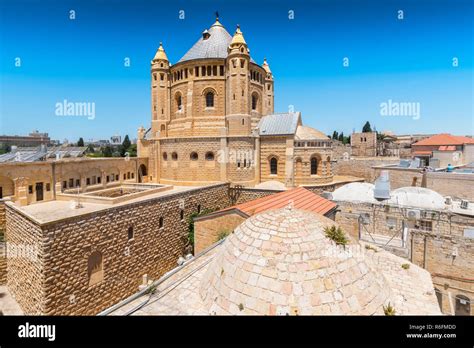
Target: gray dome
(212, 45)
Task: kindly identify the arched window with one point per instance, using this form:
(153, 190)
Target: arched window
(314, 166)
(193, 156)
(439, 297)
(254, 101)
(273, 166)
(160, 222)
(463, 305)
(209, 99)
(95, 269)
(179, 102)
(165, 156)
(209, 156)
(174, 156)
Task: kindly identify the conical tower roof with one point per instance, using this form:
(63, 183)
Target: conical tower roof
(160, 53)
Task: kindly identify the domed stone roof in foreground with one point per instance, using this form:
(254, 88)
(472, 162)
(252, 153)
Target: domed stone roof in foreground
(281, 262)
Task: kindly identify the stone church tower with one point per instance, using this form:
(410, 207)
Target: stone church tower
(212, 119)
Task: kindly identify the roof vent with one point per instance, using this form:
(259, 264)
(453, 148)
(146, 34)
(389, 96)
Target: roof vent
(464, 204)
(205, 35)
(382, 186)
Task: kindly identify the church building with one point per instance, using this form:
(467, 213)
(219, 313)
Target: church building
(213, 120)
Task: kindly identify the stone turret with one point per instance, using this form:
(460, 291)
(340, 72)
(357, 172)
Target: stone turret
(160, 91)
(238, 86)
(268, 95)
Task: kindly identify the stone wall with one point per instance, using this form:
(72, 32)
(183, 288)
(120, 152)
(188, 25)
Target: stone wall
(207, 229)
(3, 260)
(68, 173)
(451, 275)
(362, 167)
(447, 184)
(449, 259)
(249, 194)
(129, 247)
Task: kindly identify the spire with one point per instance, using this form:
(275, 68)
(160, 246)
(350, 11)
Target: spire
(217, 23)
(265, 66)
(160, 53)
(238, 37)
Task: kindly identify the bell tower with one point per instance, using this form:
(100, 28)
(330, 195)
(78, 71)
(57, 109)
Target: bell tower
(160, 93)
(238, 118)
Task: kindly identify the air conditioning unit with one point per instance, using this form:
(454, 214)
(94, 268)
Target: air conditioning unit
(464, 204)
(413, 214)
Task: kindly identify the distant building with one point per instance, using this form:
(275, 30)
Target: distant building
(116, 140)
(440, 150)
(33, 139)
(364, 144)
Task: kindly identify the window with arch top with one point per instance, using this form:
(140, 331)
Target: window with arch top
(209, 99)
(254, 101)
(174, 156)
(194, 156)
(314, 166)
(209, 156)
(179, 102)
(273, 166)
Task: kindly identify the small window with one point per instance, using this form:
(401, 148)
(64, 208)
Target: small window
(130, 233)
(209, 99)
(243, 121)
(242, 61)
(214, 70)
(209, 72)
(245, 163)
(314, 166)
(124, 176)
(196, 71)
(199, 208)
(194, 156)
(165, 156)
(162, 77)
(78, 182)
(181, 215)
(179, 101)
(133, 175)
(99, 179)
(273, 166)
(107, 178)
(71, 183)
(64, 187)
(128, 175)
(203, 71)
(48, 187)
(426, 225)
(95, 270)
(174, 156)
(117, 177)
(209, 156)
(238, 164)
(88, 181)
(160, 222)
(154, 77)
(222, 70)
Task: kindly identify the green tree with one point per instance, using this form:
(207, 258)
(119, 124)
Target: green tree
(90, 148)
(80, 142)
(4, 148)
(366, 128)
(107, 151)
(335, 135)
(341, 137)
(125, 146)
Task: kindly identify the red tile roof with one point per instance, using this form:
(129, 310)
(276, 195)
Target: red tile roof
(444, 139)
(301, 198)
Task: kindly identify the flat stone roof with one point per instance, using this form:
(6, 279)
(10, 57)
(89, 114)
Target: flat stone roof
(50, 211)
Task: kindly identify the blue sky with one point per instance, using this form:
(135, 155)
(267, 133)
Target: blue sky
(407, 60)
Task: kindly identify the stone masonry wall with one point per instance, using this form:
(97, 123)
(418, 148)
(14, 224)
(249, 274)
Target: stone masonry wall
(60, 283)
(206, 231)
(362, 167)
(3, 260)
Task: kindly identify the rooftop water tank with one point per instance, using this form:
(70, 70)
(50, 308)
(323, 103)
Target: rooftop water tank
(382, 186)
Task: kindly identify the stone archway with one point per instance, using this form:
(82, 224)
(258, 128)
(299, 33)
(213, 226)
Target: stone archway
(142, 173)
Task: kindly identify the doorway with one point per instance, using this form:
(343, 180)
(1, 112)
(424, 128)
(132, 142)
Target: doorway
(39, 191)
